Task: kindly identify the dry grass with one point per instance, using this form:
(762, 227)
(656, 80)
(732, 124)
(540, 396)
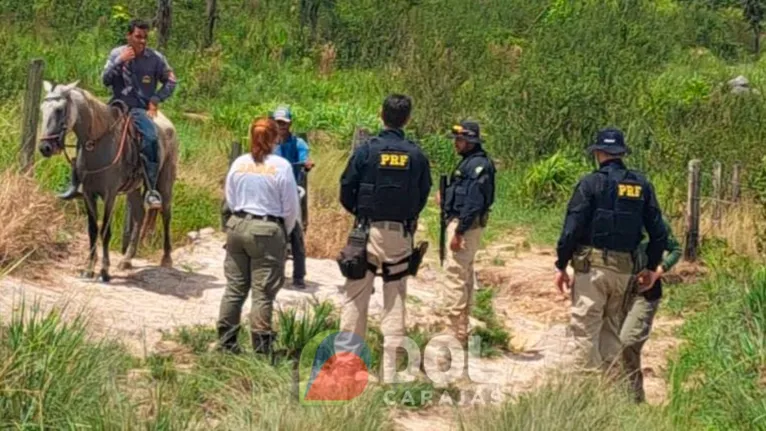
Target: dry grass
(327, 231)
(738, 226)
(329, 223)
(31, 222)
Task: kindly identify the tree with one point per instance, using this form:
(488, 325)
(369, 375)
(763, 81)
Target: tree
(753, 11)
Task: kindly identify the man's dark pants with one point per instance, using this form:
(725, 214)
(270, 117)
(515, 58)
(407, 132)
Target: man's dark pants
(298, 249)
(146, 128)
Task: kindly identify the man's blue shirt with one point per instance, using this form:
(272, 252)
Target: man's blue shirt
(295, 150)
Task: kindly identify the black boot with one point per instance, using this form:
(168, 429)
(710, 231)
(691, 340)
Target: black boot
(262, 344)
(74, 186)
(227, 340)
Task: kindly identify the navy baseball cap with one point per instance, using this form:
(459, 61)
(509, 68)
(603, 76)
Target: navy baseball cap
(610, 141)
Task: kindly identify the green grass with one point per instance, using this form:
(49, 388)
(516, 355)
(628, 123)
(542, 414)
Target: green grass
(494, 337)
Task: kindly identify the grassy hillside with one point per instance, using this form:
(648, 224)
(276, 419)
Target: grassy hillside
(541, 77)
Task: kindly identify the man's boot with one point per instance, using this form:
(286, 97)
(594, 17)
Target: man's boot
(74, 186)
(153, 198)
(227, 340)
(262, 344)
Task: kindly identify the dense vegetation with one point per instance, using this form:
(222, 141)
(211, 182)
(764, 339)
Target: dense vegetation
(540, 76)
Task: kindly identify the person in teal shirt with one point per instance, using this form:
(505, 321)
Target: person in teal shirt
(642, 308)
(296, 151)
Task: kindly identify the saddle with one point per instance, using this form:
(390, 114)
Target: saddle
(132, 136)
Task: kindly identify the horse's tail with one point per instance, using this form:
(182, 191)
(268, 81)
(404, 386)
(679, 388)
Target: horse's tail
(150, 222)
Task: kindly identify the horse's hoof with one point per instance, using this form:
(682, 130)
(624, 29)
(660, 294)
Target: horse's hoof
(125, 265)
(87, 274)
(166, 262)
(104, 277)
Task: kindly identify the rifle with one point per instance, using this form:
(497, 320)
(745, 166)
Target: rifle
(442, 219)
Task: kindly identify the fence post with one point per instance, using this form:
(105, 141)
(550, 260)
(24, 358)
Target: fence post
(211, 17)
(31, 114)
(234, 152)
(164, 19)
(360, 135)
(692, 212)
(735, 182)
(717, 194)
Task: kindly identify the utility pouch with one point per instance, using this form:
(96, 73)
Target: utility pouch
(352, 259)
(581, 260)
(417, 258)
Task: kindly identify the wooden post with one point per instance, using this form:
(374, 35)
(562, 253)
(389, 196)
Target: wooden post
(164, 13)
(717, 194)
(236, 151)
(692, 212)
(360, 135)
(31, 114)
(211, 17)
(735, 182)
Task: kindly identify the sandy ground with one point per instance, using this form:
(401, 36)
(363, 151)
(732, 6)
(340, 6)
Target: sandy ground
(138, 305)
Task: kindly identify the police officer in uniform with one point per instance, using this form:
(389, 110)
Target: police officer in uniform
(602, 229)
(385, 186)
(467, 202)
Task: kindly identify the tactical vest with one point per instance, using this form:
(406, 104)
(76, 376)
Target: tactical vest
(466, 173)
(618, 217)
(387, 188)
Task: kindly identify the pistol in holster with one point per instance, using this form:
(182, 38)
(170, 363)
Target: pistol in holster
(352, 259)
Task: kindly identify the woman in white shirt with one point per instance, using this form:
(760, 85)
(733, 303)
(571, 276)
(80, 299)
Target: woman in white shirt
(262, 196)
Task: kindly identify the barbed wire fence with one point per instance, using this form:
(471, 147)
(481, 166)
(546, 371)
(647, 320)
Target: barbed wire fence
(721, 195)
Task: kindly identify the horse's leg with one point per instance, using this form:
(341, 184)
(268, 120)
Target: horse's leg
(106, 236)
(167, 260)
(136, 205)
(127, 227)
(91, 209)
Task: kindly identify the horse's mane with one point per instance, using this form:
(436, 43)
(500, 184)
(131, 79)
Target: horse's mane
(100, 115)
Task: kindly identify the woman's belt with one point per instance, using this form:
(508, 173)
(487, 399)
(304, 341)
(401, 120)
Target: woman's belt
(249, 216)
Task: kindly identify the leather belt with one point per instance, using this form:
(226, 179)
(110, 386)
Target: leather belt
(249, 216)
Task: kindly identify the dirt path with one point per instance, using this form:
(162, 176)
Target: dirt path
(138, 305)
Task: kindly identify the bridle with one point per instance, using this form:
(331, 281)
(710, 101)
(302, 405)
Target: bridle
(59, 138)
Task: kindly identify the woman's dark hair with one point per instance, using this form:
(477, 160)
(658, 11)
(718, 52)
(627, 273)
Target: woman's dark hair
(263, 134)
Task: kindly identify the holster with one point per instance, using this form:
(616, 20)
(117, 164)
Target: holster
(418, 253)
(581, 259)
(352, 259)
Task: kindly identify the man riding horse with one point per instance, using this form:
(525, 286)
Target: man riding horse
(132, 72)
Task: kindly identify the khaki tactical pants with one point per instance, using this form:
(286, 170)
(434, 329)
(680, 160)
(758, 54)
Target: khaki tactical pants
(634, 333)
(255, 260)
(458, 292)
(388, 243)
(598, 308)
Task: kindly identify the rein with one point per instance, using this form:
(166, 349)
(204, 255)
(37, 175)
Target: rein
(117, 156)
(61, 137)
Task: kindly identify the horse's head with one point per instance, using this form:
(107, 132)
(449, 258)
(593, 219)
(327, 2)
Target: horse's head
(57, 117)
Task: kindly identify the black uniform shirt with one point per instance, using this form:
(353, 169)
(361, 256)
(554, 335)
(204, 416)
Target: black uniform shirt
(578, 227)
(360, 165)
